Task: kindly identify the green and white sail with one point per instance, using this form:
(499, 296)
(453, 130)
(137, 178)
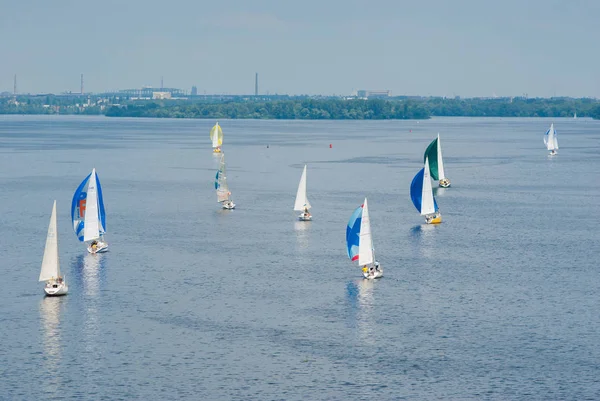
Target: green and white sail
(436, 163)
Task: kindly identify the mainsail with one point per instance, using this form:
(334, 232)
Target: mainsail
(50, 264)
(550, 139)
(301, 199)
(365, 245)
(221, 186)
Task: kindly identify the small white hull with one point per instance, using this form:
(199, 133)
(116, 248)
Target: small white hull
(553, 153)
(228, 205)
(98, 248)
(305, 217)
(444, 183)
(373, 274)
(55, 289)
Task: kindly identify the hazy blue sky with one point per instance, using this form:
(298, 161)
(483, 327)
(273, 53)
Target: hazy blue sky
(418, 47)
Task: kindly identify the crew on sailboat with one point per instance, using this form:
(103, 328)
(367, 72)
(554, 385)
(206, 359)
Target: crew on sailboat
(306, 213)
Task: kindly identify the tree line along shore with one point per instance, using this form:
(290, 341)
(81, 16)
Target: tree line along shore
(304, 108)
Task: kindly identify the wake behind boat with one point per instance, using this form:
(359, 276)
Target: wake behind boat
(88, 214)
(216, 136)
(436, 162)
(359, 242)
(302, 204)
(50, 271)
(223, 192)
(551, 141)
(421, 195)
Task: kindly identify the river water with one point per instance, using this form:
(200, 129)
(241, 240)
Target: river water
(499, 302)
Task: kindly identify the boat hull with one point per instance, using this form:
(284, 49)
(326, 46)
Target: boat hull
(217, 150)
(55, 290)
(444, 183)
(304, 217)
(436, 219)
(229, 206)
(372, 276)
(100, 248)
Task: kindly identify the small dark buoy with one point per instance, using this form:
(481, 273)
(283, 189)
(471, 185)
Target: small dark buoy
(267, 146)
(330, 146)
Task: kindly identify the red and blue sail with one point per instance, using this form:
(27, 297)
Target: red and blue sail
(78, 207)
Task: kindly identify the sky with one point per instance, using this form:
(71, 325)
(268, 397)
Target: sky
(466, 48)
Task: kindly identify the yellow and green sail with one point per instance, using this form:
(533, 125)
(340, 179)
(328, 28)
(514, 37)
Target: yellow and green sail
(216, 135)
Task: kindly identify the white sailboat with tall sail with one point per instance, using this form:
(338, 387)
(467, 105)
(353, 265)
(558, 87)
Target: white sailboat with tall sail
(88, 214)
(216, 136)
(550, 140)
(223, 192)
(359, 242)
(302, 204)
(421, 195)
(50, 271)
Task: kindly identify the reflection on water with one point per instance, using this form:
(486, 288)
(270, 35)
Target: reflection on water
(424, 239)
(50, 318)
(362, 302)
(439, 191)
(302, 229)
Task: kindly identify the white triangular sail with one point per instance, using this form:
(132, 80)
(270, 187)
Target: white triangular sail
(50, 264)
(550, 139)
(301, 199)
(223, 192)
(440, 162)
(427, 205)
(365, 242)
(91, 228)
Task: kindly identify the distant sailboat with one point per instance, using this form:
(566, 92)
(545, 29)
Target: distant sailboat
(50, 271)
(88, 214)
(575, 115)
(302, 204)
(550, 140)
(216, 136)
(223, 192)
(436, 165)
(359, 242)
(422, 196)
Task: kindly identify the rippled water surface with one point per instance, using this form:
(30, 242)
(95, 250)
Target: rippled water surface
(498, 302)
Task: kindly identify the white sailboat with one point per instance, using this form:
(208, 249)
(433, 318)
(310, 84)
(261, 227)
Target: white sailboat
(50, 271)
(550, 140)
(302, 204)
(359, 242)
(88, 214)
(223, 192)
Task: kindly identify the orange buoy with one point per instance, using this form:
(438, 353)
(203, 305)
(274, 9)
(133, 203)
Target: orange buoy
(330, 146)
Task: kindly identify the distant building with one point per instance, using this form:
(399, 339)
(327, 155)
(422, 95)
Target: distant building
(161, 95)
(374, 94)
(194, 91)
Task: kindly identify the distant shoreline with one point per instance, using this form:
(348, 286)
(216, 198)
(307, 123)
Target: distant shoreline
(305, 108)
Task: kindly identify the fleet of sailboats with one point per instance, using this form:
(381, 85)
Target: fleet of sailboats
(302, 204)
(216, 136)
(551, 141)
(359, 242)
(50, 271)
(88, 214)
(436, 162)
(222, 188)
(422, 197)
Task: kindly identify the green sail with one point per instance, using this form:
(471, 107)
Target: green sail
(432, 153)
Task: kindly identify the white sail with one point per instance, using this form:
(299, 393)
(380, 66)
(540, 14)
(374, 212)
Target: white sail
(50, 265)
(223, 192)
(441, 174)
(550, 139)
(91, 228)
(427, 205)
(365, 242)
(215, 137)
(301, 199)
